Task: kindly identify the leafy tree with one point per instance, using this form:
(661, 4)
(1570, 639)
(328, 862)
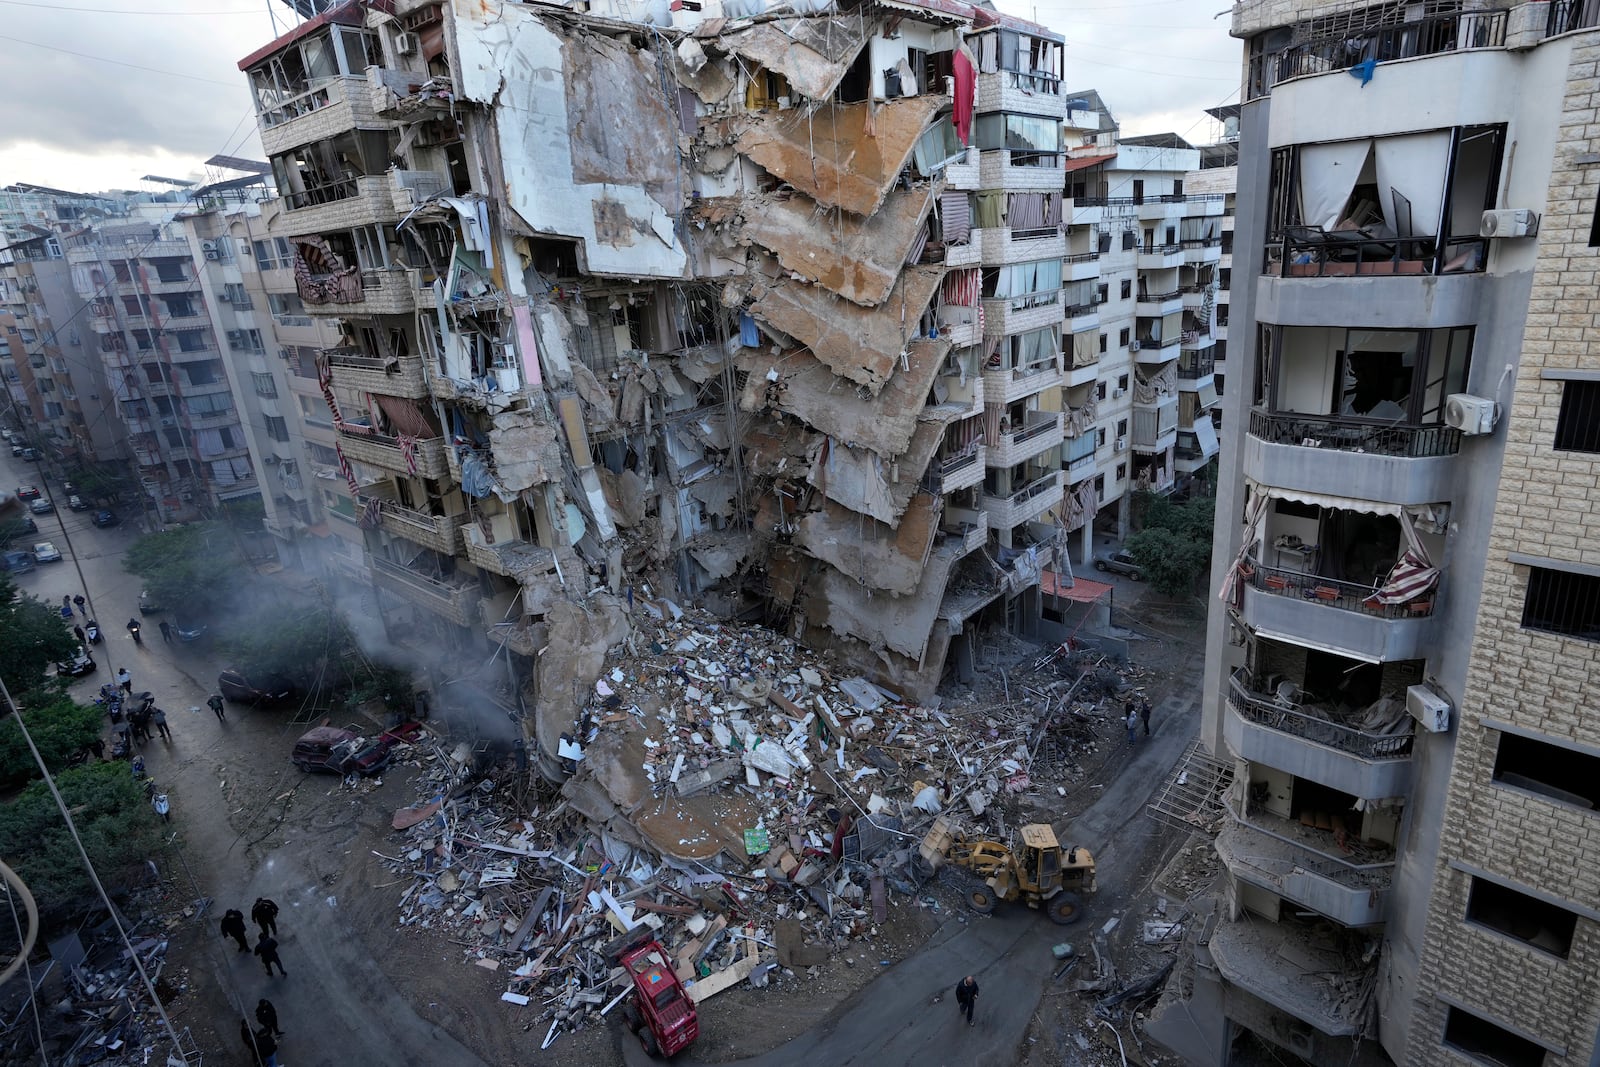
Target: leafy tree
(14, 531)
(246, 513)
(1173, 549)
(98, 482)
(59, 727)
(32, 637)
(194, 567)
(116, 825)
(310, 648)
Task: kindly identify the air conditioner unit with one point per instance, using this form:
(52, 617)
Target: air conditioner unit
(1133, 346)
(1116, 394)
(235, 336)
(1511, 222)
(1428, 708)
(1121, 445)
(406, 44)
(208, 246)
(225, 296)
(1470, 414)
(211, 254)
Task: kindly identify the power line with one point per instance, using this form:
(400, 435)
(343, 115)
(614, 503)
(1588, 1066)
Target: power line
(120, 63)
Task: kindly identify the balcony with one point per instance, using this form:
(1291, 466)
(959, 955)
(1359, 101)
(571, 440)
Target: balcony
(1158, 305)
(522, 560)
(1081, 267)
(1082, 458)
(353, 370)
(1311, 252)
(968, 253)
(963, 532)
(1019, 314)
(525, 639)
(1002, 386)
(382, 292)
(361, 201)
(408, 95)
(1003, 245)
(1195, 366)
(1159, 257)
(1081, 318)
(1395, 464)
(956, 473)
(1021, 172)
(454, 600)
(168, 248)
(1155, 425)
(438, 532)
(965, 174)
(428, 456)
(1349, 895)
(345, 103)
(172, 286)
(1159, 208)
(1018, 91)
(1198, 250)
(1197, 339)
(1025, 504)
(1317, 612)
(1040, 432)
(1278, 733)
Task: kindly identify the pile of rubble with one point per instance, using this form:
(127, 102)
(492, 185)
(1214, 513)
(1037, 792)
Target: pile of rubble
(733, 795)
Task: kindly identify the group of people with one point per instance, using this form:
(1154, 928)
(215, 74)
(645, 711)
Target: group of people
(1134, 711)
(132, 717)
(261, 1042)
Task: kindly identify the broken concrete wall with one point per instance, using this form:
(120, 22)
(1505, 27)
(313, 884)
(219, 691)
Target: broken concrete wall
(873, 554)
(865, 482)
(812, 53)
(803, 387)
(580, 637)
(525, 448)
(589, 146)
(899, 623)
(857, 343)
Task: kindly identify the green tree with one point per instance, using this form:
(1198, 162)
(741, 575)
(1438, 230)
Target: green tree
(309, 647)
(118, 829)
(194, 567)
(32, 637)
(1173, 549)
(59, 727)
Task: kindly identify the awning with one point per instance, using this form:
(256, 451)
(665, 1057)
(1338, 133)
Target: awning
(1205, 436)
(1083, 590)
(1194, 792)
(1085, 162)
(1208, 396)
(1318, 646)
(1327, 500)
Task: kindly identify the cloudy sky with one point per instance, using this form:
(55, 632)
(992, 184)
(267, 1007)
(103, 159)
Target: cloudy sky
(118, 89)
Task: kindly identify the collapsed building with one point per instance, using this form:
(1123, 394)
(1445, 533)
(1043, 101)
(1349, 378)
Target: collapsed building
(757, 309)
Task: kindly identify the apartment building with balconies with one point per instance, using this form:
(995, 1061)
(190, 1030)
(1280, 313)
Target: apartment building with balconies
(1393, 759)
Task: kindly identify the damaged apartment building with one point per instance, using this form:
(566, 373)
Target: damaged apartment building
(763, 309)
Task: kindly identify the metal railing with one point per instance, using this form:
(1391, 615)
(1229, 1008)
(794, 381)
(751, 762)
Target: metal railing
(1082, 309)
(939, 473)
(1032, 82)
(1204, 362)
(1350, 596)
(1159, 342)
(1159, 298)
(1356, 876)
(1454, 32)
(1568, 15)
(1103, 201)
(1322, 431)
(1031, 431)
(1170, 249)
(1033, 489)
(1081, 257)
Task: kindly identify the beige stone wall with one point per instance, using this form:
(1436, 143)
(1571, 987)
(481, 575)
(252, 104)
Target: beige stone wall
(1252, 16)
(1548, 505)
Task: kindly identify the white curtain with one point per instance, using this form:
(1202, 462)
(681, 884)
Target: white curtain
(1414, 166)
(1328, 173)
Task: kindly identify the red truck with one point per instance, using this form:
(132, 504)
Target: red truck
(660, 1013)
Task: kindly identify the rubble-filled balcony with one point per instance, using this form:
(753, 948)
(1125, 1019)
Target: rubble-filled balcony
(361, 200)
(426, 457)
(1356, 739)
(1353, 435)
(957, 472)
(409, 95)
(1034, 432)
(512, 557)
(1339, 615)
(1350, 895)
(451, 598)
(438, 532)
(1025, 503)
(962, 531)
(396, 376)
(1159, 256)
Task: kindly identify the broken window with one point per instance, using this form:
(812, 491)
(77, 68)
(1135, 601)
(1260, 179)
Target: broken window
(326, 171)
(1481, 1040)
(1536, 922)
(1393, 377)
(1032, 140)
(1578, 424)
(767, 89)
(1550, 770)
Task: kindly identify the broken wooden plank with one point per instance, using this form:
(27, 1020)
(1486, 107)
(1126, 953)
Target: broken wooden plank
(705, 988)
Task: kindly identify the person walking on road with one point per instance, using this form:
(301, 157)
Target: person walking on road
(78, 600)
(265, 914)
(267, 1016)
(967, 997)
(214, 702)
(77, 632)
(266, 1048)
(125, 680)
(267, 949)
(159, 717)
(249, 1039)
(1132, 723)
(166, 631)
(233, 926)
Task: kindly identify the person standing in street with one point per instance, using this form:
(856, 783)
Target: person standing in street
(267, 949)
(125, 680)
(266, 1048)
(77, 632)
(159, 717)
(233, 926)
(1144, 714)
(214, 702)
(249, 1038)
(1132, 723)
(967, 997)
(267, 1016)
(265, 914)
(78, 600)
(166, 631)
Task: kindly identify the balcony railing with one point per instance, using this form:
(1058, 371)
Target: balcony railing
(1350, 596)
(1159, 298)
(1090, 257)
(1160, 250)
(1311, 252)
(1322, 431)
(1568, 15)
(1201, 364)
(1263, 710)
(1159, 342)
(1038, 428)
(1103, 201)
(1457, 31)
(1031, 82)
(1314, 850)
(1082, 309)
(941, 474)
(1034, 489)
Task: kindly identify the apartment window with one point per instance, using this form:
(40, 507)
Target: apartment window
(210, 404)
(205, 373)
(285, 304)
(1122, 472)
(1100, 437)
(1481, 1040)
(1530, 920)
(52, 410)
(277, 428)
(1130, 240)
(235, 293)
(1127, 288)
(154, 372)
(1225, 278)
(1563, 774)
(180, 307)
(273, 254)
(1562, 602)
(1103, 293)
(1103, 340)
(192, 340)
(1122, 383)
(264, 385)
(1122, 427)
(1578, 425)
(1100, 391)
(1123, 336)
(1100, 486)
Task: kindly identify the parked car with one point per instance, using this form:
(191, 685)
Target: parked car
(17, 448)
(149, 605)
(261, 689)
(189, 631)
(77, 503)
(32, 453)
(16, 528)
(1119, 563)
(79, 664)
(41, 506)
(45, 552)
(18, 562)
(27, 492)
(105, 517)
(330, 750)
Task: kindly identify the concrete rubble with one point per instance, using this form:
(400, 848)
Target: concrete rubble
(733, 792)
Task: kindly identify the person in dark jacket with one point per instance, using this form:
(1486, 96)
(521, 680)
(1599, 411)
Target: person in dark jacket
(249, 1038)
(267, 1048)
(267, 949)
(265, 914)
(233, 926)
(267, 1016)
(967, 997)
